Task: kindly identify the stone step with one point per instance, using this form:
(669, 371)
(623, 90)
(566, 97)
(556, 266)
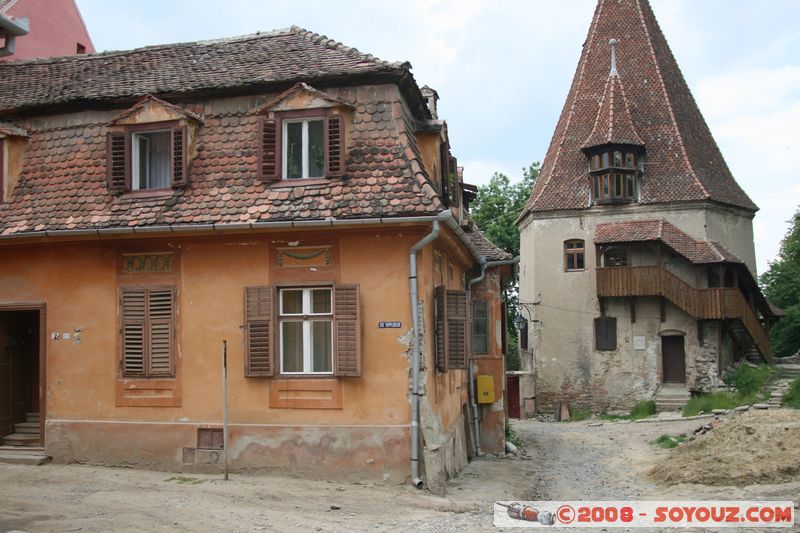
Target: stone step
(32, 417)
(23, 456)
(27, 427)
(21, 439)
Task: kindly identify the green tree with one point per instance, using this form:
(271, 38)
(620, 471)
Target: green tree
(495, 211)
(781, 285)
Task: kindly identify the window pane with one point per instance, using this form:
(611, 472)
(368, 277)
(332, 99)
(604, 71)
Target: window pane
(321, 346)
(630, 160)
(570, 262)
(596, 182)
(316, 149)
(605, 186)
(580, 261)
(630, 190)
(292, 346)
(605, 159)
(618, 185)
(321, 301)
(292, 302)
(617, 159)
(294, 150)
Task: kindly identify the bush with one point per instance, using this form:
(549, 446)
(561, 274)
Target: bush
(643, 409)
(792, 398)
(718, 400)
(666, 441)
(747, 379)
(512, 437)
(577, 414)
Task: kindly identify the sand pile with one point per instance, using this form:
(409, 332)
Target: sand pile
(752, 447)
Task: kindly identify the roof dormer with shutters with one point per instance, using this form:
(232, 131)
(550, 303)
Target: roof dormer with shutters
(12, 145)
(149, 148)
(302, 137)
(614, 148)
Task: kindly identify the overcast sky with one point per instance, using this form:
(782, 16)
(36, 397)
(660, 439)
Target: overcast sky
(503, 68)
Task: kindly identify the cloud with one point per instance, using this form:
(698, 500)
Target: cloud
(750, 91)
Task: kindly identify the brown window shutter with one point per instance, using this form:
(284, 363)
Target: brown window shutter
(335, 146)
(259, 326)
(440, 320)
(117, 161)
(268, 146)
(346, 330)
(179, 156)
(605, 332)
(456, 329)
(161, 320)
(133, 306)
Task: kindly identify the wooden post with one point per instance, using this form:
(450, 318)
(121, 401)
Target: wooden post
(225, 404)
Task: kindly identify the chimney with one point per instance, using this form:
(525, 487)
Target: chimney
(431, 97)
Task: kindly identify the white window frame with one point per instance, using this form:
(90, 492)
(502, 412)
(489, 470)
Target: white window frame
(308, 319)
(135, 139)
(304, 136)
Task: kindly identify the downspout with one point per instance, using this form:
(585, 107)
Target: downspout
(416, 480)
(476, 427)
(11, 28)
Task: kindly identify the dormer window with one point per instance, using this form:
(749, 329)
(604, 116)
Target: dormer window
(614, 176)
(151, 164)
(304, 148)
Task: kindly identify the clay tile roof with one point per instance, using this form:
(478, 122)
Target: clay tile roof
(10, 129)
(613, 124)
(683, 161)
(696, 251)
(249, 61)
(485, 247)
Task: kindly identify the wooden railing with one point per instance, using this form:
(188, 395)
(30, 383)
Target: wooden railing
(719, 303)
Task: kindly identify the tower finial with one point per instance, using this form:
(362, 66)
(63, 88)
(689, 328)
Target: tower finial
(614, 72)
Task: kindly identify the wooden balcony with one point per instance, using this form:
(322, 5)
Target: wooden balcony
(717, 303)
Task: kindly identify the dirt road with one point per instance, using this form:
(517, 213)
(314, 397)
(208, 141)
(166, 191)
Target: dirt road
(575, 461)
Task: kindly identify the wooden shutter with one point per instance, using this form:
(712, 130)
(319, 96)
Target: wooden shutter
(346, 330)
(160, 315)
(117, 161)
(605, 333)
(259, 326)
(268, 146)
(133, 306)
(335, 146)
(179, 156)
(451, 318)
(456, 329)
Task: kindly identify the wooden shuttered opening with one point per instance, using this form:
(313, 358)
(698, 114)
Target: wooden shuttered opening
(179, 156)
(451, 336)
(335, 146)
(346, 330)
(605, 333)
(268, 146)
(259, 328)
(148, 331)
(117, 159)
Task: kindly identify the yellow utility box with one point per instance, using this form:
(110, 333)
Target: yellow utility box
(485, 389)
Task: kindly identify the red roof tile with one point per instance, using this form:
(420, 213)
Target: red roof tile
(683, 162)
(696, 251)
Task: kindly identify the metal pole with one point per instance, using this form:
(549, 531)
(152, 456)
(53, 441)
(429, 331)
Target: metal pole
(225, 404)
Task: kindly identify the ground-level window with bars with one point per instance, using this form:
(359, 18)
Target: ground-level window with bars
(147, 331)
(302, 331)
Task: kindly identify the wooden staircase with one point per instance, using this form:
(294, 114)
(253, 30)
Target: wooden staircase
(709, 304)
(25, 433)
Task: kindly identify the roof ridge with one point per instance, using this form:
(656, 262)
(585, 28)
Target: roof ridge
(337, 45)
(165, 46)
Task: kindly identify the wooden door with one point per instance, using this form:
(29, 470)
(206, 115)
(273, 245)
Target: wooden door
(512, 391)
(674, 359)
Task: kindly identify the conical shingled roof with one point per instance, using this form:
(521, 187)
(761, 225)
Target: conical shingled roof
(683, 162)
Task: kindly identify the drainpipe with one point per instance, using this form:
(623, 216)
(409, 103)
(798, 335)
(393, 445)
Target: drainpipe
(12, 28)
(416, 480)
(476, 427)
